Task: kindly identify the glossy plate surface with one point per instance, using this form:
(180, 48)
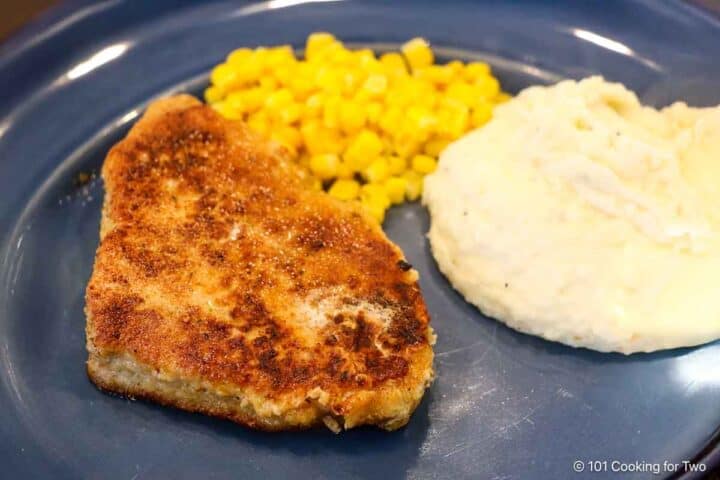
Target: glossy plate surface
(505, 405)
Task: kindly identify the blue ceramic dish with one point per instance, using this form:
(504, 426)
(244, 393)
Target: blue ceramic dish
(505, 405)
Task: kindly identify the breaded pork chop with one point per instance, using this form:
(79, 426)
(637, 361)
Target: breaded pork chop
(224, 285)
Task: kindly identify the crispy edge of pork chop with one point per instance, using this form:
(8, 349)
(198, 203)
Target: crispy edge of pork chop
(141, 347)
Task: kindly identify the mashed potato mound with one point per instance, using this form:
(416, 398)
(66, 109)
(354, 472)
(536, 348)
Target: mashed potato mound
(580, 215)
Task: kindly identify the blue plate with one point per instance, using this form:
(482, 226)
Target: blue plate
(505, 405)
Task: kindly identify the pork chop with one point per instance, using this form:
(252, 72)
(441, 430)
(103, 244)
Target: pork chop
(224, 284)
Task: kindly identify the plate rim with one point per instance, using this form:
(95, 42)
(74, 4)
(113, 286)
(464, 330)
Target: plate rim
(62, 17)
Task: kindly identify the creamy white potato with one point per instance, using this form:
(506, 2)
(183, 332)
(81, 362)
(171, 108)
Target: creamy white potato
(581, 216)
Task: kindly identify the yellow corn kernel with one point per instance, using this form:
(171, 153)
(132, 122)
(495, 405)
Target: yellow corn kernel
(319, 139)
(244, 74)
(453, 120)
(260, 55)
(279, 99)
(414, 186)
(351, 116)
(395, 188)
(420, 121)
(344, 189)
(314, 105)
(377, 171)
(277, 56)
(388, 143)
(325, 166)
(213, 94)
(290, 114)
(253, 98)
(334, 53)
(310, 131)
(301, 86)
(259, 122)
(268, 83)
(226, 111)
(502, 97)
(396, 165)
(331, 112)
(329, 80)
(462, 92)
(375, 193)
(418, 53)
(288, 135)
(436, 74)
(424, 93)
(374, 67)
(474, 70)
(344, 171)
(364, 57)
(375, 84)
(435, 147)
(375, 200)
(481, 114)
(223, 75)
(250, 71)
(399, 95)
(316, 184)
(374, 111)
(340, 56)
(390, 119)
(316, 42)
(239, 56)
(360, 96)
(374, 209)
(350, 81)
(394, 99)
(363, 149)
(236, 102)
(488, 87)
(456, 66)
(283, 75)
(406, 147)
(393, 63)
(424, 164)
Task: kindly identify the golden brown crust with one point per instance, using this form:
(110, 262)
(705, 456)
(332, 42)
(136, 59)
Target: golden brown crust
(218, 264)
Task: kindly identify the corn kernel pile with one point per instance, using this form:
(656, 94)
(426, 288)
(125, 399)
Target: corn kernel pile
(367, 127)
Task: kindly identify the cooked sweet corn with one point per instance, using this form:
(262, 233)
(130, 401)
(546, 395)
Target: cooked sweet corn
(396, 164)
(376, 200)
(418, 53)
(482, 112)
(377, 171)
(325, 166)
(363, 149)
(373, 190)
(414, 185)
(435, 147)
(213, 94)
(375, 209)
(344, 189)
(352, 117)
(316, 42)
(395, 188)
(344, 171)
(424, 164)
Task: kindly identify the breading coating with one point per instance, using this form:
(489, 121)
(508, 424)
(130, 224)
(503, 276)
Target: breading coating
(223, 284)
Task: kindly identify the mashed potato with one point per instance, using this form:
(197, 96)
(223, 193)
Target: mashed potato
(581, 216)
